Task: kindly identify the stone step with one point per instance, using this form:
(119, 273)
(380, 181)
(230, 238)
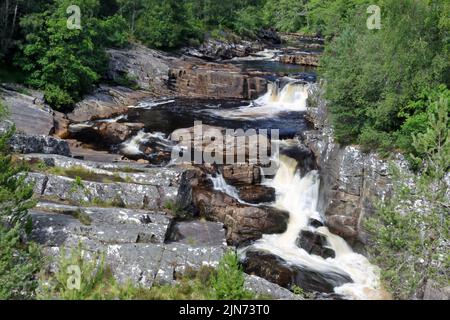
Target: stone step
(88, 193)
(131, 172)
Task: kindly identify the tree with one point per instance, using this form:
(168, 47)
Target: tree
(67, 63)
(372, 75)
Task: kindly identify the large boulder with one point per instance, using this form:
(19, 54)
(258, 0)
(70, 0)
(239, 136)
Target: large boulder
(315, 243)
(256, 194)
(27, 110)
(24, 143)
(105, 102)
(277, 270)
(147, 68)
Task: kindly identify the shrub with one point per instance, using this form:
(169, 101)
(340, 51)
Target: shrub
(228, 282)
(19, 260)
(411, 229)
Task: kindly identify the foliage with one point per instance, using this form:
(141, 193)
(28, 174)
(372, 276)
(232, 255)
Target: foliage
(97, 281)
(67, 63)
(228, 282)
(19, 261)
(373, 75)
(411, 230)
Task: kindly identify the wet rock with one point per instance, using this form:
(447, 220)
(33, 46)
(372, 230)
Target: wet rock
(244, 223)
(256, 194)
(263, 287)
(241, 174)
(316, 223)
(61, 125)
(27, 110)
(276, 270)
(315, 243)
(24, 143)
(107, 132)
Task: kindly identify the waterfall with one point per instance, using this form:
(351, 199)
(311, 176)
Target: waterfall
(132, 145)
(279, 98)
(299, 196)
(221, 185)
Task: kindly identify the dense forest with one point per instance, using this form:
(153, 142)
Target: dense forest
(387, 90)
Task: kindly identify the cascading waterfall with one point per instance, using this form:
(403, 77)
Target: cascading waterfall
(290, 97)
(299, 196)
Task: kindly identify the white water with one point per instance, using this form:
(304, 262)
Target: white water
(291, 97)
(299, 196)
(265, 55)
(150, 104)
(131, 146)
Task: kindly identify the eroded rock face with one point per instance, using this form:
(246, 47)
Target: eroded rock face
(351, 181)
(276, 270)
(118, 194)
(214, 81)
(24, 143)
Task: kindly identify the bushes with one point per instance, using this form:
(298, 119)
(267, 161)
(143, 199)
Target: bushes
(97, 282)
(19, 261)
(373, 75)
(411, 230)
(228, 282)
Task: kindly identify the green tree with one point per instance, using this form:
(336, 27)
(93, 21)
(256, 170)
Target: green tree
(67, 63)
(372, 75)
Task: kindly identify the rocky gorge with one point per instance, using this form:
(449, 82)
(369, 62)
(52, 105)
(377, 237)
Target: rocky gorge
(103, 176)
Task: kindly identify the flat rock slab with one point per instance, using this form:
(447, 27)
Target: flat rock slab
(132, 172)
(27, 111)
(198, 232)
(54, 223)
(26, 143)
(119, 194)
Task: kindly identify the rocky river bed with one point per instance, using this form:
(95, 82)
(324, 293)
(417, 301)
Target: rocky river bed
(104, 173)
